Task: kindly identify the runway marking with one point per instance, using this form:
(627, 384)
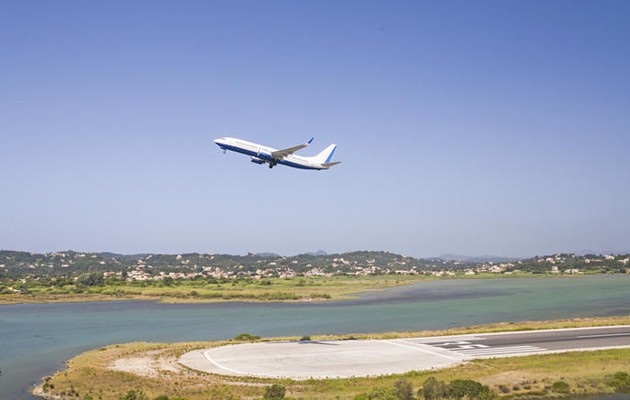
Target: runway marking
(452, 344)
(460, 345)
(422, 350)
(500, 350)
(205, 354)
(603, 335)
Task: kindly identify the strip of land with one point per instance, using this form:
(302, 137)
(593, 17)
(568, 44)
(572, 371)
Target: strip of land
(280, 289)
(111, 372)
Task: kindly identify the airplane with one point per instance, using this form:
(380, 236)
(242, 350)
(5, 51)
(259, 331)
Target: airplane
(266, 155)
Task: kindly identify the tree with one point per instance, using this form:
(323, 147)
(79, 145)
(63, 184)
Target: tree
(91, 279)
(168, 281)
(404, 389)
(274, 392)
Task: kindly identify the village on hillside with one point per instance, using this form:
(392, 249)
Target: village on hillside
(154, 267)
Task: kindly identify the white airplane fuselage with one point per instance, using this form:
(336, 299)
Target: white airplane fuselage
(265, 155)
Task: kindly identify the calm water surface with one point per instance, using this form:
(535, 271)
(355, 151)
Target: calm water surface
(35, 339)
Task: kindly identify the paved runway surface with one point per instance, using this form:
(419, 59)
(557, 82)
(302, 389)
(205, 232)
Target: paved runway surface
(348, 358)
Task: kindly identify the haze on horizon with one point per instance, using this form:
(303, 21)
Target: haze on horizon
(471, 128)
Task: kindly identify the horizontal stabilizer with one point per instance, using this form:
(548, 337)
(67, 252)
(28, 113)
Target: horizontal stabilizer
(330, 164)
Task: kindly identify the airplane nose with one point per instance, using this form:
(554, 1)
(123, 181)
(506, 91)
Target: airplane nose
(220, 142)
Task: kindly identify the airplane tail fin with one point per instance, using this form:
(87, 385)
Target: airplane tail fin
(326, 155)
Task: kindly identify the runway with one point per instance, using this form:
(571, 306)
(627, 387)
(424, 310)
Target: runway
(361, 358)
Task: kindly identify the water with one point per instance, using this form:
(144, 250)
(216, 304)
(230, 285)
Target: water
(35, 339)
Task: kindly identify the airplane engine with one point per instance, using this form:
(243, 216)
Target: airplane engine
(258, 160)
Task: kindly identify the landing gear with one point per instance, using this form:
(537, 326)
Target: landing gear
(272, 163)
(224, 151)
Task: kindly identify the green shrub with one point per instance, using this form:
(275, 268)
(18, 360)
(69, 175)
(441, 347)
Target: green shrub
(466, 388)
(274, 392)
(432, 389)
(560, 387)
(404, 389)
(245, 337)
(620, 381)
(382, 394)
(134, 395)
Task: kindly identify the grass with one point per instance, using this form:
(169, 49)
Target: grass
(280, 289)
(520, 377)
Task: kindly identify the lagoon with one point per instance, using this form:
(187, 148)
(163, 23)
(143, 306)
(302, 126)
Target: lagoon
(35, 339)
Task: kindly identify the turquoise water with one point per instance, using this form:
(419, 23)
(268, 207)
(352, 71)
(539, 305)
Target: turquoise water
(36, 339)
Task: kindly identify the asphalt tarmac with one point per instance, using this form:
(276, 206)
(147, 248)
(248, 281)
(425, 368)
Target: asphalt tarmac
(361, 358)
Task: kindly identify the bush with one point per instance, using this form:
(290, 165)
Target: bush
(133, 395)
(432, 389)
(466, 388)
(620, 381)
(382, 394)
(404, 389)
(245, 337)
(274, 392)
(560, 387)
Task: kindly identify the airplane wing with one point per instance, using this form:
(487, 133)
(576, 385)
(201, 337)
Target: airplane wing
(279, 154)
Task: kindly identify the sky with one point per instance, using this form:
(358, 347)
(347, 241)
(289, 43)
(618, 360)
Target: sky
(477, 128)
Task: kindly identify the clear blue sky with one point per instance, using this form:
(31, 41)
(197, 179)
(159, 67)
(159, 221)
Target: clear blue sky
(487, 127)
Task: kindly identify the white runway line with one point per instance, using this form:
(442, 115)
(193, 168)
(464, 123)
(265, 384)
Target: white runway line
(603, 335)
(420, 349)
(205, 354)
(502, 350)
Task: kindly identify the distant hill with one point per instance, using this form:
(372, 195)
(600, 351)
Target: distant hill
(268, 255)
(585, 252)
(71, 264)
(318, 253)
